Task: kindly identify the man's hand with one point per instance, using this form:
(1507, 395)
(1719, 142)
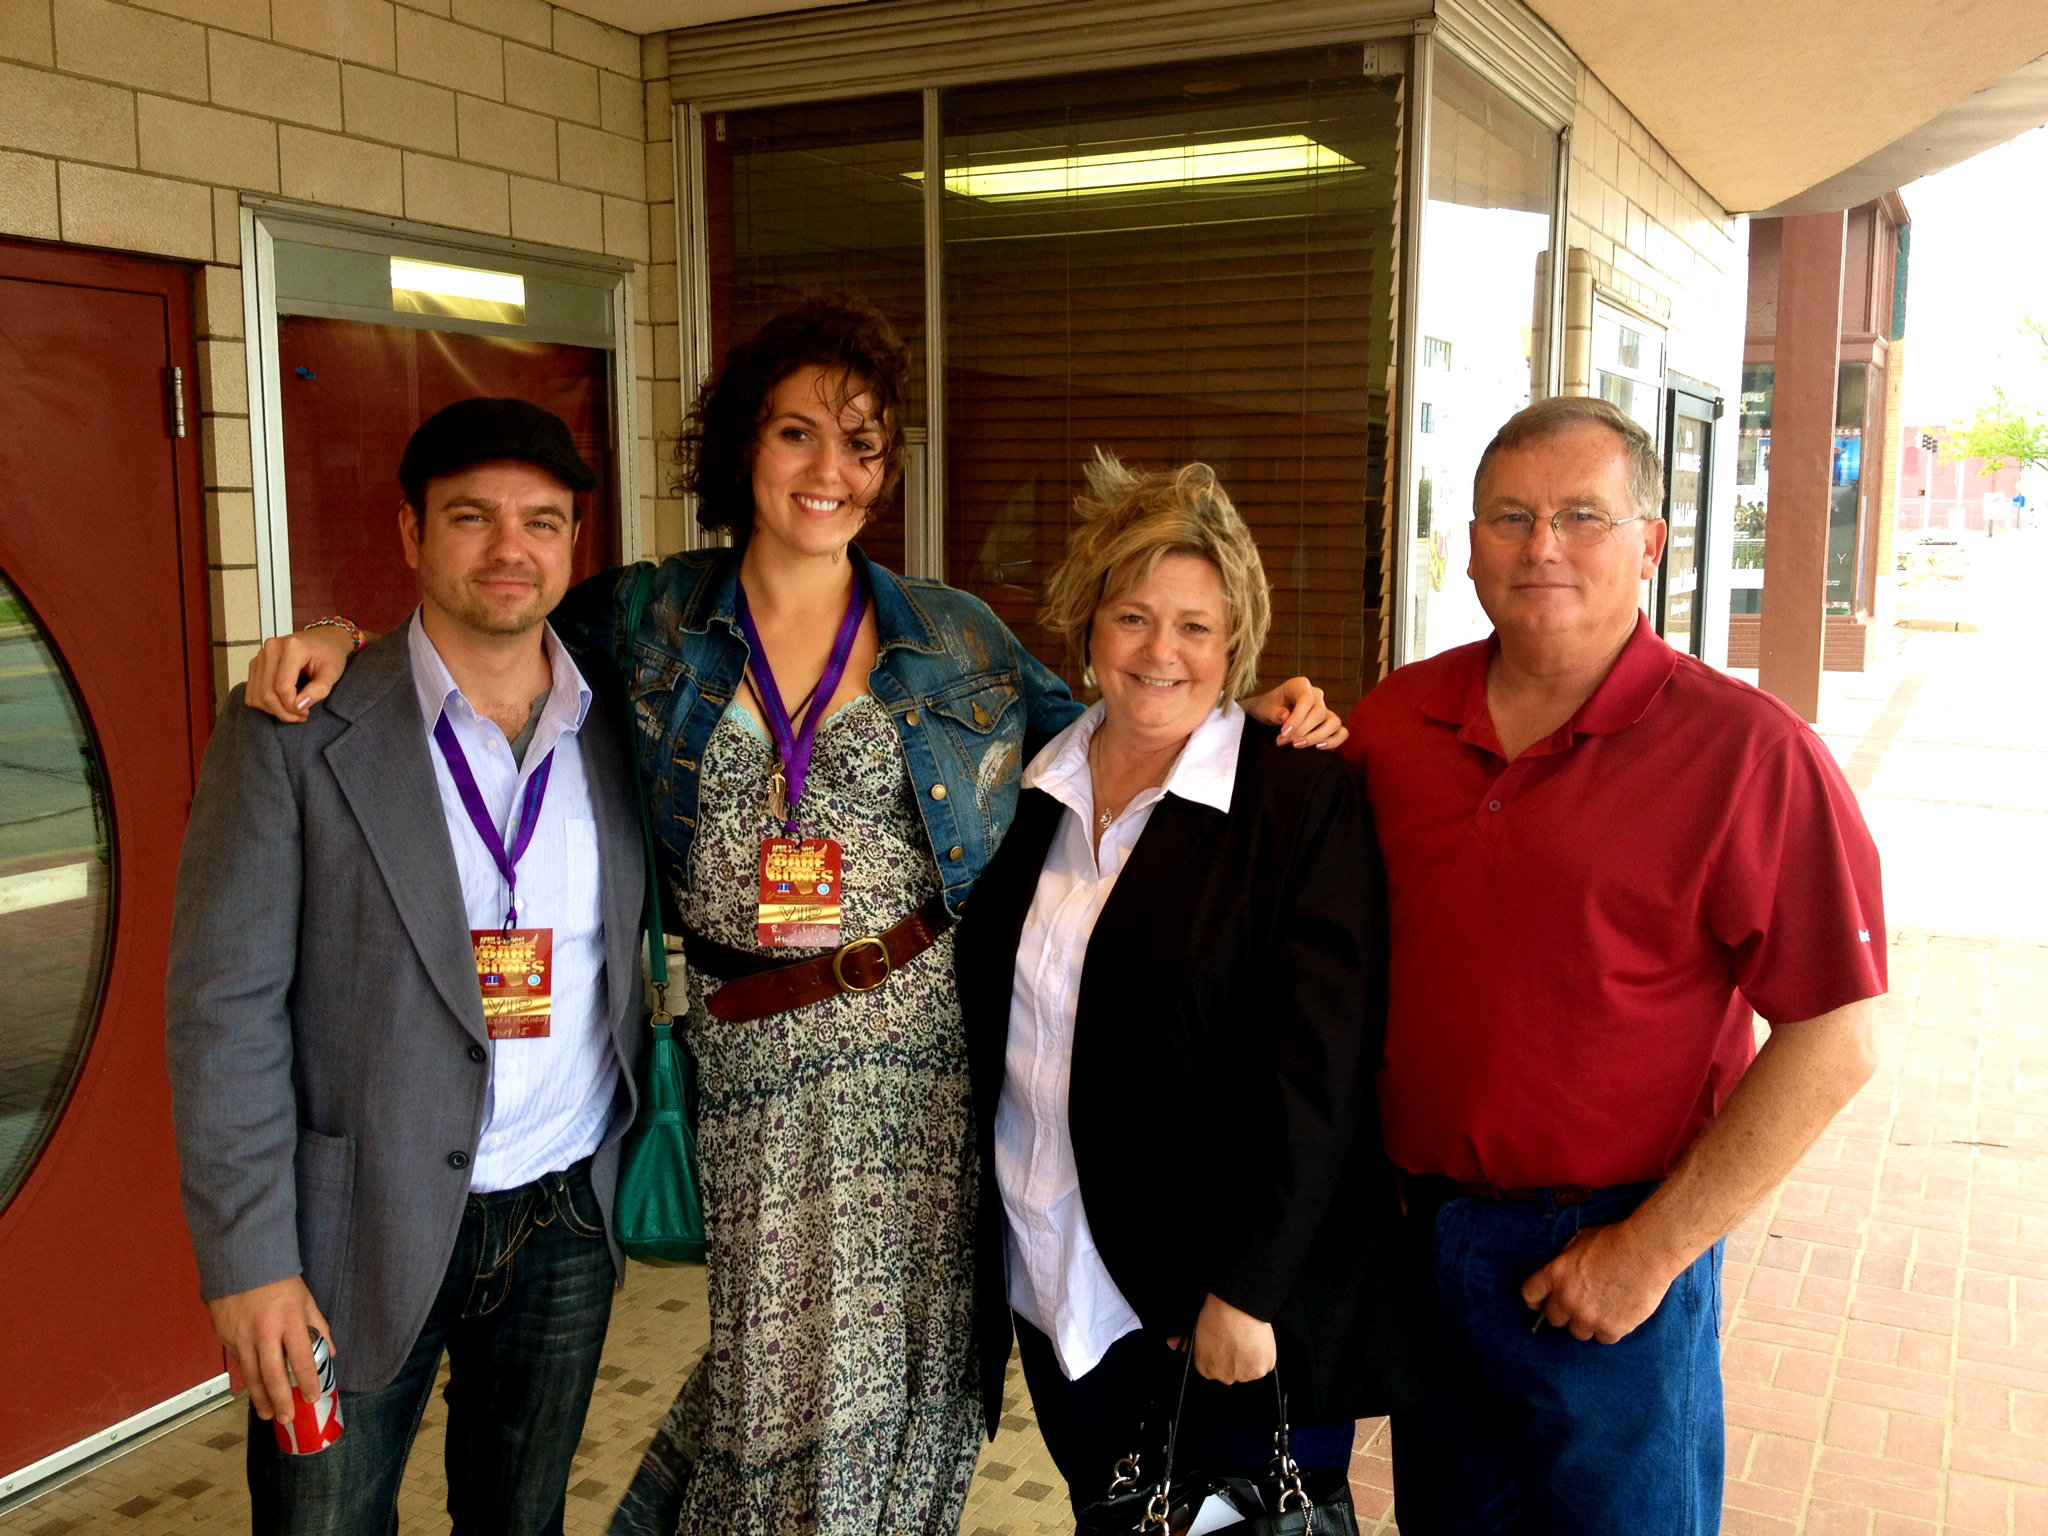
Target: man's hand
(291, 673)
(265, 1329)
(1603, 1286)
(1297, 707)
(1230, 1345)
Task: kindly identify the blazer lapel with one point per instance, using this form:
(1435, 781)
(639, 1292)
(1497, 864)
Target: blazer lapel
(1001, 901)
(608, 772)
(1170, 838)
(382, 767)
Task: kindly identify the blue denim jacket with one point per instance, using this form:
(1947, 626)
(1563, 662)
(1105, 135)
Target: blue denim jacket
(969, 702)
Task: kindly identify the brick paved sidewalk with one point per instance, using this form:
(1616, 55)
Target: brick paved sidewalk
(1886, 1321)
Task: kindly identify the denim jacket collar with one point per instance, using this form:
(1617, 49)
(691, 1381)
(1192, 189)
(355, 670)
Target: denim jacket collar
(900, 622)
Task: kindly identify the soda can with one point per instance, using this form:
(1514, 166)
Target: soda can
(313, 1424)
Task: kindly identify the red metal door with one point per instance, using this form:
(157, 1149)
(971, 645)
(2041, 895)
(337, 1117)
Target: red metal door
(104, 706)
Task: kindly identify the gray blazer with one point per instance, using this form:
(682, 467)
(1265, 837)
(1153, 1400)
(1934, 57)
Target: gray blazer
(328, 1057)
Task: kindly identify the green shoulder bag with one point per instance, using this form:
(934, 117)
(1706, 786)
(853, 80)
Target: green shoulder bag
(659, 1212)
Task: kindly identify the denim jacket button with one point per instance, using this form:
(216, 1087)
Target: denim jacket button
(938, 791)
(956, 852)
(911, 718)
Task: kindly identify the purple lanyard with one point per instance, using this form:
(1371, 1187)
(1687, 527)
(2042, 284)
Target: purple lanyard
(507, 859)
(791, 745)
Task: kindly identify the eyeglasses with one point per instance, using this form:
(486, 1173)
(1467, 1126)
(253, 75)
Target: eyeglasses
(1574, 525)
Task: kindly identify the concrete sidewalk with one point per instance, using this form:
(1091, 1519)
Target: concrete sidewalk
(1886, 1328)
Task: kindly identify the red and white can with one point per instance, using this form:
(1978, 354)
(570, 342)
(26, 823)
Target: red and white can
(313, 1424)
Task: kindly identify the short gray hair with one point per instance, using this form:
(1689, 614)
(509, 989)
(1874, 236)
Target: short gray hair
(1560, 413)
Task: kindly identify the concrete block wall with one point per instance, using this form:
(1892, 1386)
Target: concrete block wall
(136, 127)
(1640, 227)
(662, 525)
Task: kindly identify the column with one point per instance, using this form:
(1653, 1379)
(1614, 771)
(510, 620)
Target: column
(1802, 458)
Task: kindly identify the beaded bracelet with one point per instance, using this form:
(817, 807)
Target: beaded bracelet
(336, 621)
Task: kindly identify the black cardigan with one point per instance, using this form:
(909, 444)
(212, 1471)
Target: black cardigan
(1221, 1103)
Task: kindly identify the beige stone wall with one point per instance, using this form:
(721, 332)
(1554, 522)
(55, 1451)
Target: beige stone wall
(136, 127)
(1644, 231)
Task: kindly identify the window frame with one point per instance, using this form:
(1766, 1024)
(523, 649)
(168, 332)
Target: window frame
(861, 51)
(264, 221)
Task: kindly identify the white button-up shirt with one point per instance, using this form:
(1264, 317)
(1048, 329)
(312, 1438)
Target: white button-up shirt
(1058, 1282)
(551, 1098)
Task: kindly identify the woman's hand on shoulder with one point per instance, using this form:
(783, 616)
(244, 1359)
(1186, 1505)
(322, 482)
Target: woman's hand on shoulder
(1231, 1345)
(289, 674)
(1305, 720)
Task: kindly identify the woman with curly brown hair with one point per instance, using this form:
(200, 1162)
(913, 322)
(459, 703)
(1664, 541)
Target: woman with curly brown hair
(795, 702)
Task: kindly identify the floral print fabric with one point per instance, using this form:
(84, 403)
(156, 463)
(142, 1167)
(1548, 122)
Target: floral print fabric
(838, 1395)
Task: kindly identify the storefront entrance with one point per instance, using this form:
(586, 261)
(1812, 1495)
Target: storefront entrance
(104, 707)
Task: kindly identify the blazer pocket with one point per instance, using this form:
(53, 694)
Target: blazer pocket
(326, 1186)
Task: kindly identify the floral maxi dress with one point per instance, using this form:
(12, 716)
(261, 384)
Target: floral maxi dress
(838, 1394)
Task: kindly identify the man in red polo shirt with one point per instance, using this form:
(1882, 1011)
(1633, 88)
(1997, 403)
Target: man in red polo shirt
(1601, 856)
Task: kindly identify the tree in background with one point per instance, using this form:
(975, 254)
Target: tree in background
(2002, 433)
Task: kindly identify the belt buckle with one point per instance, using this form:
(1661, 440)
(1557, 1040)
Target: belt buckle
(839, 960)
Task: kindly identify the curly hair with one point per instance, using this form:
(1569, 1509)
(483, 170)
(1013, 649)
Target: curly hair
(840, 332)
(1131, 520)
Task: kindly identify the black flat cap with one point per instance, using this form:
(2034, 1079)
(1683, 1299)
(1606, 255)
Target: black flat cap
(478, 430)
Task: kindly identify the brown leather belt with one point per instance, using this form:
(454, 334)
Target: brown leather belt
(1440, 1188)
(758, 985)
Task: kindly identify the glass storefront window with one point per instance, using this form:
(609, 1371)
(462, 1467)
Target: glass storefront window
(823, 196)
(1689, 478)
(1845, 488)
(56, 888)
(1485, 295)
(1189, 262)
(1628, 366)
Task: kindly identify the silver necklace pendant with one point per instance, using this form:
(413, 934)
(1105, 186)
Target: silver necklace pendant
(1105, 818)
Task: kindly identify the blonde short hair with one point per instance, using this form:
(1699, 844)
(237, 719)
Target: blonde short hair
(1130, 520)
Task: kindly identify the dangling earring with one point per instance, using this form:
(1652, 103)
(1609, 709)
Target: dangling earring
(1088, 679)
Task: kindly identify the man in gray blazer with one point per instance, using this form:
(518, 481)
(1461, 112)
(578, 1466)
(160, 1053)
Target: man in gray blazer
(404, 1000)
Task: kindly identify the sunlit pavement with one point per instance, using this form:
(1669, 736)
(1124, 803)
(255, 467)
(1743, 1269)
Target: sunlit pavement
(1886, 1321)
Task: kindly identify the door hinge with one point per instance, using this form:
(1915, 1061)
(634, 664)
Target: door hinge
(177, 402)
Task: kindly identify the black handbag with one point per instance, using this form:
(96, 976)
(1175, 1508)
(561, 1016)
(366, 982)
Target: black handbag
(1284, 1500)
(659, 1210)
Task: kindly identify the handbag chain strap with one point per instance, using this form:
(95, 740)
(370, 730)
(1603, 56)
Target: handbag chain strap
(657, 947)
(1286, 1471)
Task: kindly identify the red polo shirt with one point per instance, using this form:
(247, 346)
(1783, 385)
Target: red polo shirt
(1579, 936)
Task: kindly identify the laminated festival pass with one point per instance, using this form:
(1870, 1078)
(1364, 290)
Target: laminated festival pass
(515, 973)
(799, 893)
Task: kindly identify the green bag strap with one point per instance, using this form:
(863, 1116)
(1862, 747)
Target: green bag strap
(657, 950)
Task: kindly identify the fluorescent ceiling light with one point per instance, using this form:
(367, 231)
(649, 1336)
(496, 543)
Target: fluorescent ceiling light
(465, 293)
(1135, 170)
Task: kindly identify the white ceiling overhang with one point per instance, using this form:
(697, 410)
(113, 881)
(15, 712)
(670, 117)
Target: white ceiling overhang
(1763, 101)
(1780, 106)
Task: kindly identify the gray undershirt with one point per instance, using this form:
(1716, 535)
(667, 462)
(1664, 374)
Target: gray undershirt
(525, 737)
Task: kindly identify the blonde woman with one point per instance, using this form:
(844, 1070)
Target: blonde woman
(1165, 979)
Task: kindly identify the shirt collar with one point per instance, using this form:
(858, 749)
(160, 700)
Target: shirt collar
(1205, 772)
(568, 693)
(1624, 696)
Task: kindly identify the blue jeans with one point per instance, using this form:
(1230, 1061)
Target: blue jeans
(1088, 1424)
(1539, 1433)
(521, 1314)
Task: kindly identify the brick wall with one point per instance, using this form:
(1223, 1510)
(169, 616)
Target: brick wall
(137, 127)
(1643, 230)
